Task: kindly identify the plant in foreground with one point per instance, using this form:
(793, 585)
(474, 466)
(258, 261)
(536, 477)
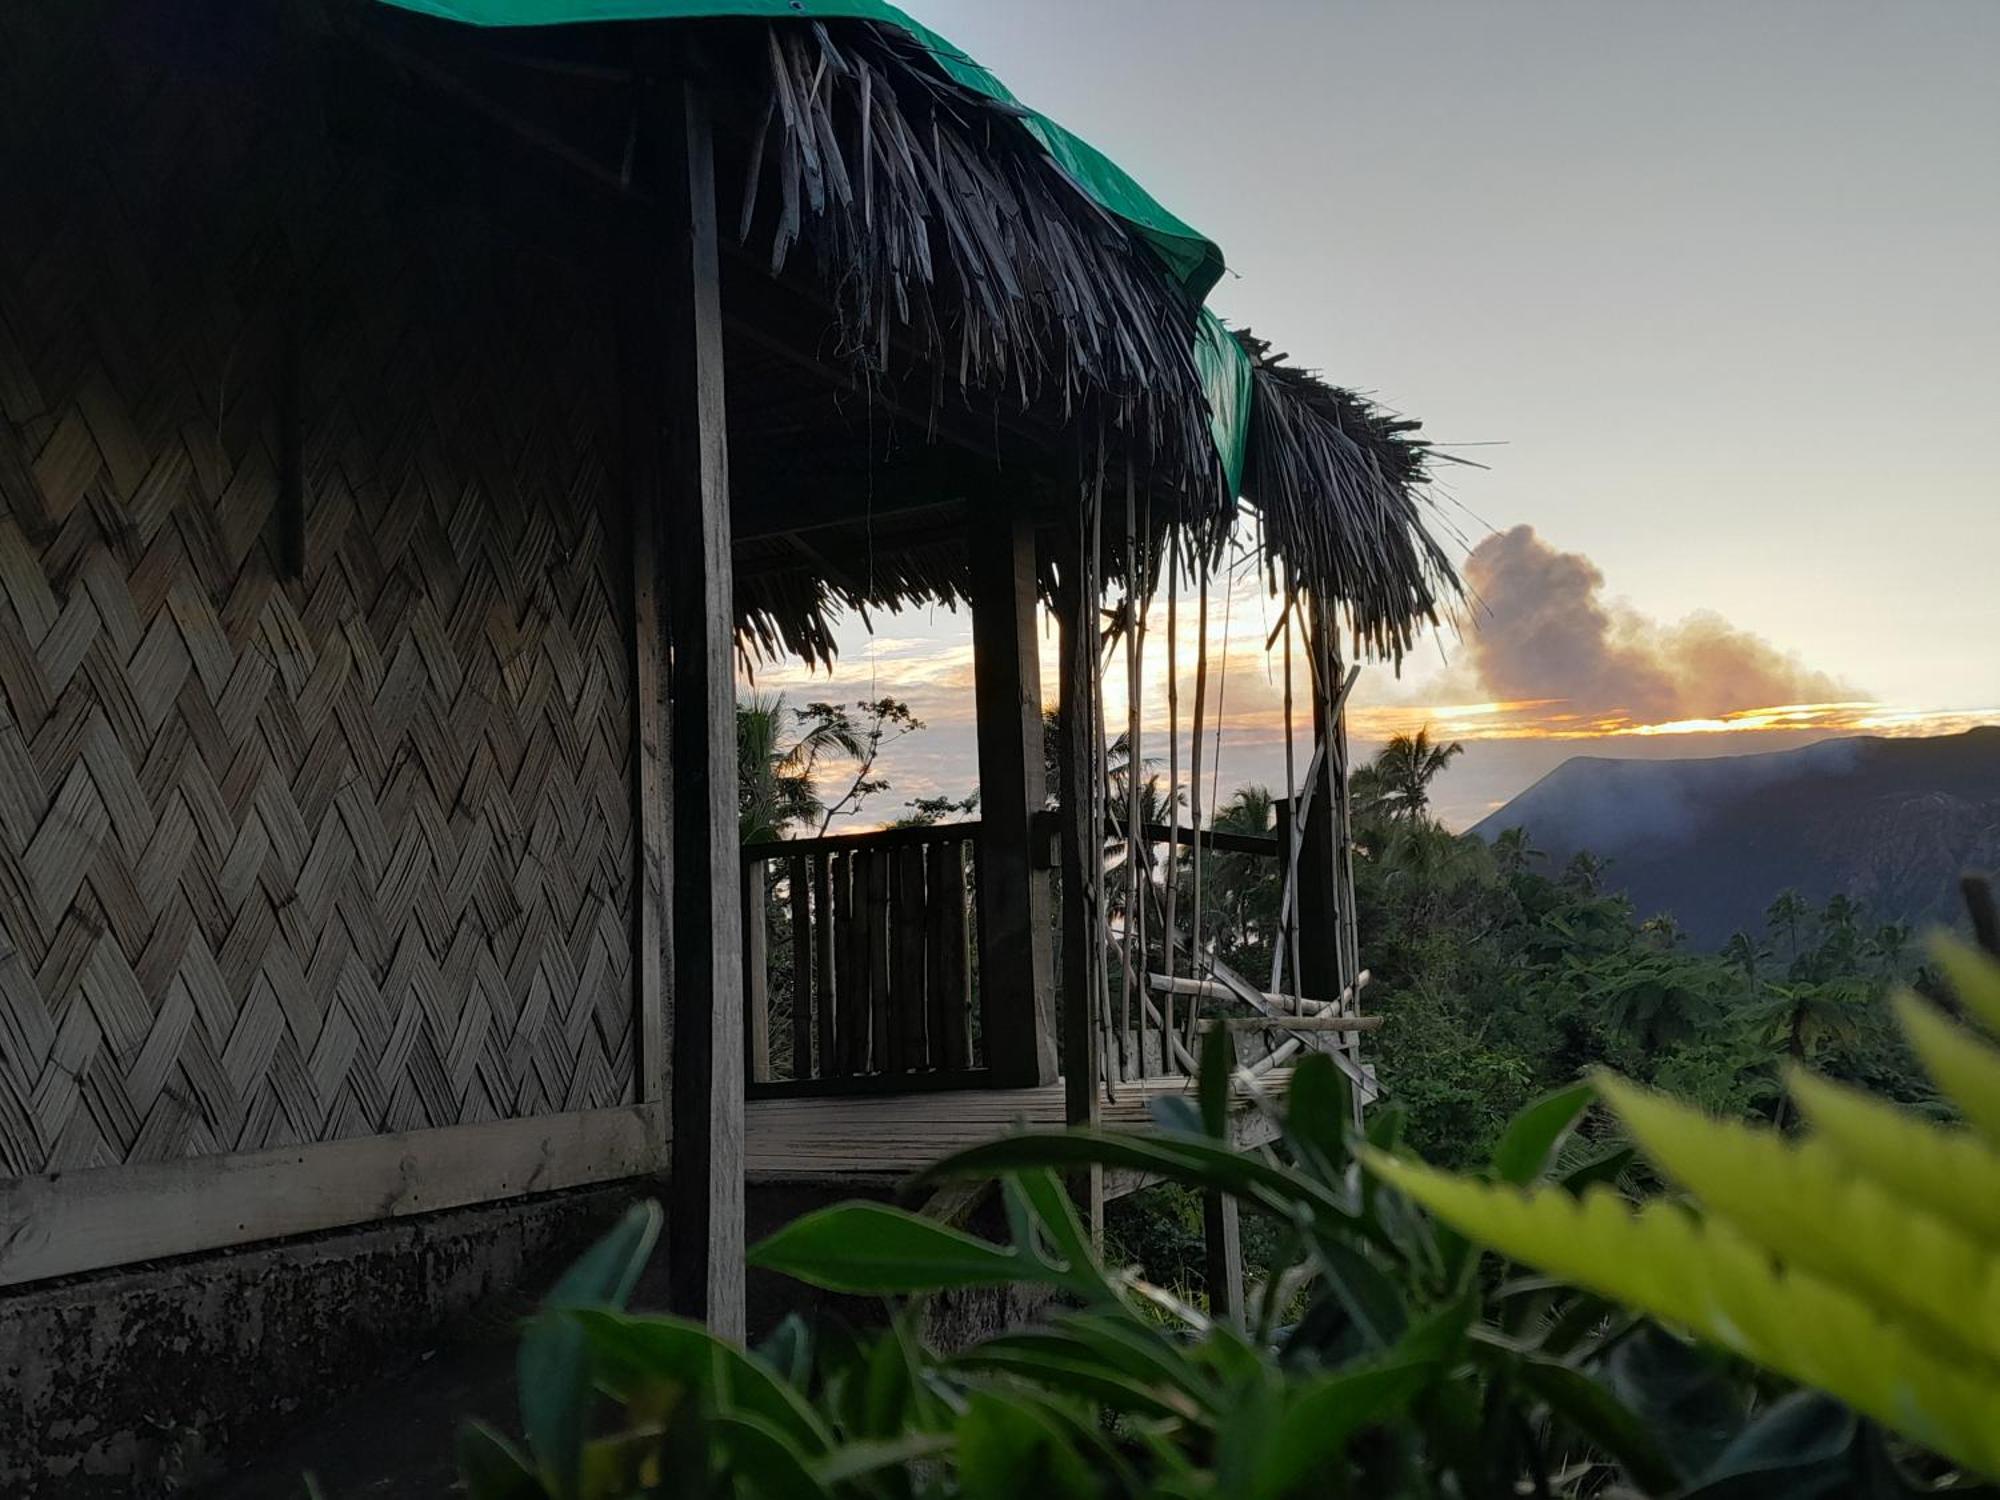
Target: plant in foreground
(1861, 1259)
(1412, 1370)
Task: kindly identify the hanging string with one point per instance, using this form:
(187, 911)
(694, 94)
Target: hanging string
(1167, 938)
(1288, 902)
(1100, 980)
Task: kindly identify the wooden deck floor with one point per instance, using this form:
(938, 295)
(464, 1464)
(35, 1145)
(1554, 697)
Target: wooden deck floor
(855, 1138)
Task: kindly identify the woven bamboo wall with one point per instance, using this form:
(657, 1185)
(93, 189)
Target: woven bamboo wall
(290, 859)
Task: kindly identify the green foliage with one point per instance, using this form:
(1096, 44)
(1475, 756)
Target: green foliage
(1379, 1357)
(1861, 1260)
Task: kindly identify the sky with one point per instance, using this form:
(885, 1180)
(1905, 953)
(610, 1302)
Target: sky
(1709, 289)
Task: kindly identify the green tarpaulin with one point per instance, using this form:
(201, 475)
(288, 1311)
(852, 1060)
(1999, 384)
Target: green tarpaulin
(1194, 260)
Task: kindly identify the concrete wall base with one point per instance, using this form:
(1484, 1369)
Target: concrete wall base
(353, 1355)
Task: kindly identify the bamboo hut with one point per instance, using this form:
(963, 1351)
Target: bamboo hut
(409, 415)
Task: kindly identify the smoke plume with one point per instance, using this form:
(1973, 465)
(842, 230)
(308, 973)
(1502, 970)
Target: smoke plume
(1543, 630)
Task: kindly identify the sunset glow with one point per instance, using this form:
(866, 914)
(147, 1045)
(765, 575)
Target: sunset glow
(1545, 719)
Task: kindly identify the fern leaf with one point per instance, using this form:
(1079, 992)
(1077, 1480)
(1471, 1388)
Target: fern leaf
(1974, 976)
(1711, 1280)
(1807, 1205)
(1950, 1172)
(1964, 1066)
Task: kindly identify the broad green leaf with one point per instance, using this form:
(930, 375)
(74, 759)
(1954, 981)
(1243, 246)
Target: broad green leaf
(1533, 1137)
(1064, 1366)
(1323, 1415)
(1140, 1350)
(1950, 1172)
(789, 1351)
(1787, 1197)
(1218, 1061)
(858, 1460)
(1052, 1205)
(1802, 1448)
(1369, 1298)
(1965, 1067)
(1210, 1165)
(1974, 976)
(1600, 1417)
(1318, 1108)
(553, 1366)
(1604, 1165)
(873, 1248)
(1009, 1449)
(1708, 1278)
(632, 1354)
(755, 1451)
(491, 1468)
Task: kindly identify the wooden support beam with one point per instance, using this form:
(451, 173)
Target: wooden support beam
(642, 389)
(1222, 1235)
(1016, 964)
(705, 1249)
(1076, 613)
(1292, 1023)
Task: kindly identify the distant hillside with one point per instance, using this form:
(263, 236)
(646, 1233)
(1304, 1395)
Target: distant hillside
(1890, 822)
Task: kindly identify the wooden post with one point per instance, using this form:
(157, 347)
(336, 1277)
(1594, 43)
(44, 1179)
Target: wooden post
(1076, 610)
(643, 394)
(705, 1251)
(756, 971)
(1222, 1234)
(1015, 960)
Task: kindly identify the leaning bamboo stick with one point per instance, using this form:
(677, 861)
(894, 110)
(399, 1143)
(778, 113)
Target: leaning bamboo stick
(1292, 1023)
(1195, 945)
(1131, 755)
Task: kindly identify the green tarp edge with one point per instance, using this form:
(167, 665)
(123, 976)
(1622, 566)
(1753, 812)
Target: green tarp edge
(1193, 259)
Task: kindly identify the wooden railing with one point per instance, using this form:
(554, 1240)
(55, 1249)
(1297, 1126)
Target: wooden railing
(858, 967)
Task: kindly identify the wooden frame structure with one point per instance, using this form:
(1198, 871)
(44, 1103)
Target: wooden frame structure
(388, 485)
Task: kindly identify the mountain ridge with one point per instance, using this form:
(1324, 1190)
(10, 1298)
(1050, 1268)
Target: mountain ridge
(1889, 822)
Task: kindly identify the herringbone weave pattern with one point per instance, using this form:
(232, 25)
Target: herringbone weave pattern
(289, 859)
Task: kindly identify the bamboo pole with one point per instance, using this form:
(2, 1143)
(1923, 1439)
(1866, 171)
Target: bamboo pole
(1195, 948)
(1173, 784)
(1100, 934)
(1132, 891)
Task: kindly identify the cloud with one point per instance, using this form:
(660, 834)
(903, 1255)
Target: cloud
(1543, 630)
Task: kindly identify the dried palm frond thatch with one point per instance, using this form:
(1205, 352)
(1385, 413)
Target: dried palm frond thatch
(1340, 484)
(942, 225)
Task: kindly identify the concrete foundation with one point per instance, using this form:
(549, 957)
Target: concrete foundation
(151, 1380)
(352, 1356)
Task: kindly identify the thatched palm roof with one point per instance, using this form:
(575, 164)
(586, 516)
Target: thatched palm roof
(977, 280)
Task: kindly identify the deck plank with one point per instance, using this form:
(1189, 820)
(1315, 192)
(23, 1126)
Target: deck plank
(872, 1137)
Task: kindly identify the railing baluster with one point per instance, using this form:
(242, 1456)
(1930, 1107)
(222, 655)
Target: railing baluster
(802, 966)
(849, 979)
(882, 965)
(823, 940)
(907, 977)
(756, 972)
(947, 965)
(877, 938)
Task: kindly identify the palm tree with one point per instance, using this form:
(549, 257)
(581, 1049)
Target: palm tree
(778, 750)
(1888, 944)
(1786, 915)
(1513, 852)
(1743, 951)
(1584, 873)
(1663, 931)
(1407, 766)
